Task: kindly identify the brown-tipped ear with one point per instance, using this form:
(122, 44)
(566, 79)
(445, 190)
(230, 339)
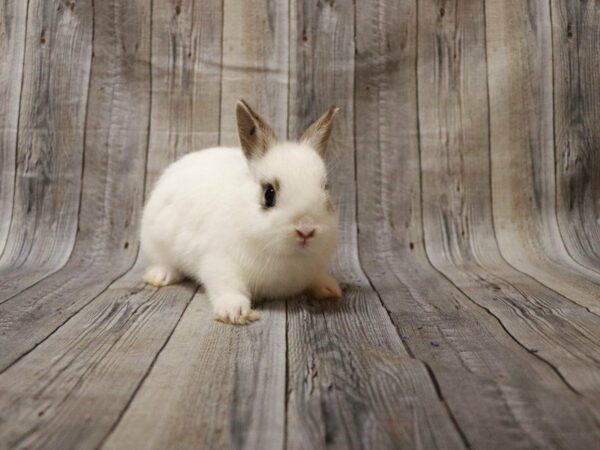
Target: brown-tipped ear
(255, 135)
(317, 135)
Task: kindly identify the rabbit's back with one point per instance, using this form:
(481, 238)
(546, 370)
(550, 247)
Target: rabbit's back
(195, 205)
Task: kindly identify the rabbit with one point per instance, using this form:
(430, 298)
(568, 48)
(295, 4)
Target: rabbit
(247, 223)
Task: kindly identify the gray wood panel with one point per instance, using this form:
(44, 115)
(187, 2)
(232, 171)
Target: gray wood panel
(463, 165)
(186, 80)
(211, 387)
(50, 143)
(479, 368)
(12, 48)
(112, 183)
(255, 63)
(577, 127)
(230, 386)
(73, 388)
(351, 383)
(522, 150)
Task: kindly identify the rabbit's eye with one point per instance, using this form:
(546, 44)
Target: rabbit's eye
(270, 195)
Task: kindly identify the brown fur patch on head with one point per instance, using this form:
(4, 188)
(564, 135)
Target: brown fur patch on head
(256, 136)
(317, 135)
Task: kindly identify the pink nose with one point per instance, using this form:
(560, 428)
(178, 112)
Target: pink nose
(305, 232)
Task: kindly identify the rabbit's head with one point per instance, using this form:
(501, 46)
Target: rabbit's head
(296, 215)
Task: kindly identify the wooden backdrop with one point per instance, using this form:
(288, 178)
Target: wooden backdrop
(466, 171)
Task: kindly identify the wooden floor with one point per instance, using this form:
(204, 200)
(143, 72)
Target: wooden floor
(466, 171)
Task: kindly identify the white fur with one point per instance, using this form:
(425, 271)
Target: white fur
(205, 219)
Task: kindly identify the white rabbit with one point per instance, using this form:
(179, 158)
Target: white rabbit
(255, 222)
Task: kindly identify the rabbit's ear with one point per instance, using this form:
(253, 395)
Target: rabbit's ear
(256, 137)
(317, 135)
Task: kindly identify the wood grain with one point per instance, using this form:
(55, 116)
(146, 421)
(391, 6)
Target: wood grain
(232, 379)
(205, 391)
(186, 80)
(50, 143)
(255, 63)
(519, 49)
(13, 17)
(576, 64)
(464, 167)
(112, 184)
(458, 231)
(72, 389)
(352, 383)
(464, 346)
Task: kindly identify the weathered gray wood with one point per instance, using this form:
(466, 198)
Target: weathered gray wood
(72, 389)
(186, 80)
(13, 16)
(577, 127)
(522, 148)
(255, 63)
(351, 382)
(112, 185)
(50, 143)
(465, 169)
(207, 390)
(230, 386)
(457, 221)
(466, 348)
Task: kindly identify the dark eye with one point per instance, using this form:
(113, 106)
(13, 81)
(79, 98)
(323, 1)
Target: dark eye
(270, 195)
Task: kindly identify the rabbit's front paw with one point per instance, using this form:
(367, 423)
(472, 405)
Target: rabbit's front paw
(162, 276)
(326, 287)
(234, 309)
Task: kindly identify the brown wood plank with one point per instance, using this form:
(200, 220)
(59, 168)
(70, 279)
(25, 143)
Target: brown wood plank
(485, 377)
(519, 50)
(112, 186)
(351, 383)
(230, 386)
(73, 387)
(577, 126)
(13, 20)
(50, 143)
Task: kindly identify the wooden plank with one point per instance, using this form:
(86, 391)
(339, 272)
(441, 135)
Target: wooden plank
(255, 63)
(70, 391)
(208, 390)
(519, 50)
(577, 127)
(230, 385)
(13, 20)
(112, 185)
(484, 375)
(186, 80)
(351, 383)
(458, 228)
(50, 143)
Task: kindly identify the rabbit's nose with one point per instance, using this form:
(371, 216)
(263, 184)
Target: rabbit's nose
(305, 232)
